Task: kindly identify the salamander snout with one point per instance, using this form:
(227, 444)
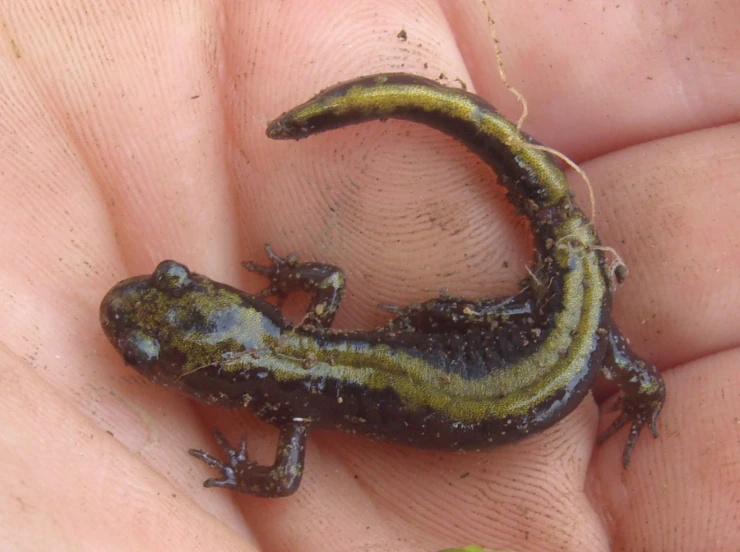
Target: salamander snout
(135, 311)
(121, 319)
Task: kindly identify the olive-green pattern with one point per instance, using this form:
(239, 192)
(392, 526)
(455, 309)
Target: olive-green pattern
(513, 390)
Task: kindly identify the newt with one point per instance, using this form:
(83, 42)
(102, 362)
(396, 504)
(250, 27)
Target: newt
(448, 373)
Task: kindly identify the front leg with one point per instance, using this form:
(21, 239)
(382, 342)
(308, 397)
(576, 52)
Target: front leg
(239, 474)
(642, 388)
(324, 282)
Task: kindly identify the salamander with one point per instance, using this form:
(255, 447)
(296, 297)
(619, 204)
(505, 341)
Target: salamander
(448, 373)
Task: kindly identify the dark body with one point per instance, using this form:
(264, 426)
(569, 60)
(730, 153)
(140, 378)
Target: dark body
(449, 373)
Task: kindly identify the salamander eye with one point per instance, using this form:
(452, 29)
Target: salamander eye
(139, 350)
(170, 276)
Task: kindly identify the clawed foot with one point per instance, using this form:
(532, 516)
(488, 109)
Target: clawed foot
(642, 392)
(239, 474)
(325, 283)
(236, 461)
(278, 273)
(640, 412)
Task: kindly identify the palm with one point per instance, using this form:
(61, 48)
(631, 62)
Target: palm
(130, 138)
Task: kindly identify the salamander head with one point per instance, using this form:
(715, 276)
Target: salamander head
(175, 322)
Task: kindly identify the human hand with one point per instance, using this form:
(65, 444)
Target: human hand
(138, 135)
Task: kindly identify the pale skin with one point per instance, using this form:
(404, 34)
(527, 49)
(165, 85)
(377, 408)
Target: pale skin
(136, 134)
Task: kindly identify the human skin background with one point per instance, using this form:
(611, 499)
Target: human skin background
(131, 133)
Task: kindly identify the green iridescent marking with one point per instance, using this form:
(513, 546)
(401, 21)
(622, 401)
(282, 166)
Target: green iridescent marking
(424, 378)
(513, 390)
(505, 392)
(210, 302)
(384, 99)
